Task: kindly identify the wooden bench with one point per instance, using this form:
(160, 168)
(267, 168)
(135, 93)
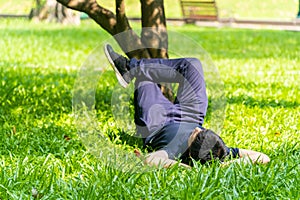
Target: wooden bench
(195, 10)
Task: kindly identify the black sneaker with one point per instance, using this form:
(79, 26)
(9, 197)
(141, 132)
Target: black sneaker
(119, 64)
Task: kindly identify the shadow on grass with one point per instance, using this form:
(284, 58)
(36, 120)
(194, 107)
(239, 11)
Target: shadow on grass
(35, 91)
(122, 137)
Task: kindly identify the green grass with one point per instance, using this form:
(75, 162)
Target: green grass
(251, 9)
(42, 156)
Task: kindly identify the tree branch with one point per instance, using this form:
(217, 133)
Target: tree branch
(105, 18)
(116, 25)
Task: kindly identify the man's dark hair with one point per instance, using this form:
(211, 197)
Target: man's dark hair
(207, 146)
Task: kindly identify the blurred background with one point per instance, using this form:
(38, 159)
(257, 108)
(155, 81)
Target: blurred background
(279, 10)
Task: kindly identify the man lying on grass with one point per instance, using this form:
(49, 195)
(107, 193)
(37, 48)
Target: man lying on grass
(173, 130)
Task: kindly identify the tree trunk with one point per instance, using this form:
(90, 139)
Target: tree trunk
(153, 42)
(298, 15)
(34, 12)
(52, 11)
(118, 23)
(154, 33)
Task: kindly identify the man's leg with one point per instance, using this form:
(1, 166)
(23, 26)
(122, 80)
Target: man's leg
(151, 108)
(191, 101)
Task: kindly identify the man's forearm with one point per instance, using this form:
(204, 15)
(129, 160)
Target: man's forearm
(160, 159)
(254, 156)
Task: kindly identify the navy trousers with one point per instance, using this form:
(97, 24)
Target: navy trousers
(157, 119)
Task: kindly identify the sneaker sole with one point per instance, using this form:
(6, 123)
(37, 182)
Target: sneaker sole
(120, 78)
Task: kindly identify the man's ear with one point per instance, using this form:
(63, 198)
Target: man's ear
(193, 136)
